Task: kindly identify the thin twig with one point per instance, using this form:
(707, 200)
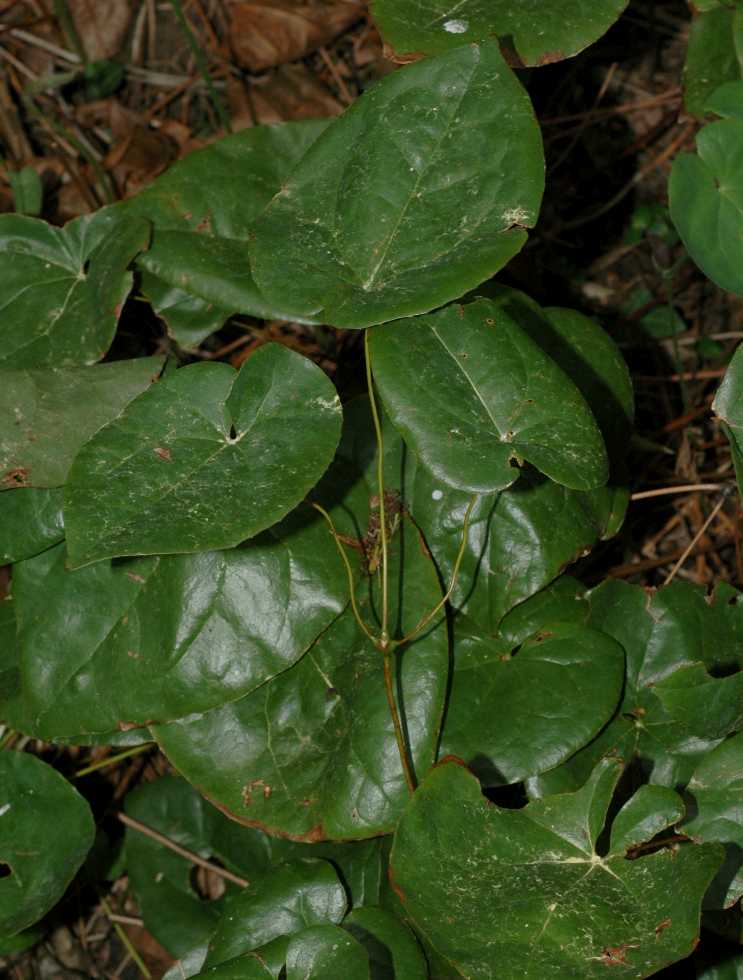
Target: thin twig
(128, 945)
(183, 851)
(687, 551)
(664, 491)
(349, 573)
(111, 760)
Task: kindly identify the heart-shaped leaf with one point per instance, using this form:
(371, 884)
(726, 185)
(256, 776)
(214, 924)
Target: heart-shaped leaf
(706, 201)
(527, 890)
(470, 392)
(512, 716)
(205, 459)
(174, 635)
(55, 411)
(531, 34)
(37, 804)
(418, 192)
(311, 754)
(202, 209)
(30, 522)
(62, 289)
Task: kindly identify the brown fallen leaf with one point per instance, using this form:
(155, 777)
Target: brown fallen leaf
(291, 92)
(101, 26)
(266, 33)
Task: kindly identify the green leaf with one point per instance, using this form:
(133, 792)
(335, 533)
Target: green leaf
(189, 319)
(30, 522)
(62, 289)
(706, 201)
(728, 406)
(205, 459)
(161, 879)
(279, 903)
(55, 411)
(531, 33)
(202, 210)
(512, 716)
(720, 964)
(248, 967)
(311, 755)
(13, 710)
(326, 951)
(684, 685)
(519, 540)
(527, 890)
(37, 806)
(418, 192)
(594, 363)
(651, 810)
(470, 392)
(717, 791)
(169, 636)
(727, 101)
(75, 615)
(714, 56)
(393, 951)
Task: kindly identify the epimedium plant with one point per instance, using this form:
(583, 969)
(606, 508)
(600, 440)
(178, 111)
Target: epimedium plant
(341, 623)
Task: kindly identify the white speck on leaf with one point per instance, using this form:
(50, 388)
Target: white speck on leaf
(456, 26)
(437, 494)
(4, 809)
(515, 216)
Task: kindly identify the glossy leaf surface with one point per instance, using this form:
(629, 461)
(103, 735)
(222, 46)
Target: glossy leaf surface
(706, 201)
(62, 289)
(55, 411)
(204, 460)
(512, 716)
(196, 272)
(169, 636)
(532, 32)
(519, 540)
(311, 754)
(418, 192)
(471, 392)
(275, 905)
(37, 805)
(717, 790)
(30, 521)
(684, 685)
(172, 910)
(482, 882)
(326, 951)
